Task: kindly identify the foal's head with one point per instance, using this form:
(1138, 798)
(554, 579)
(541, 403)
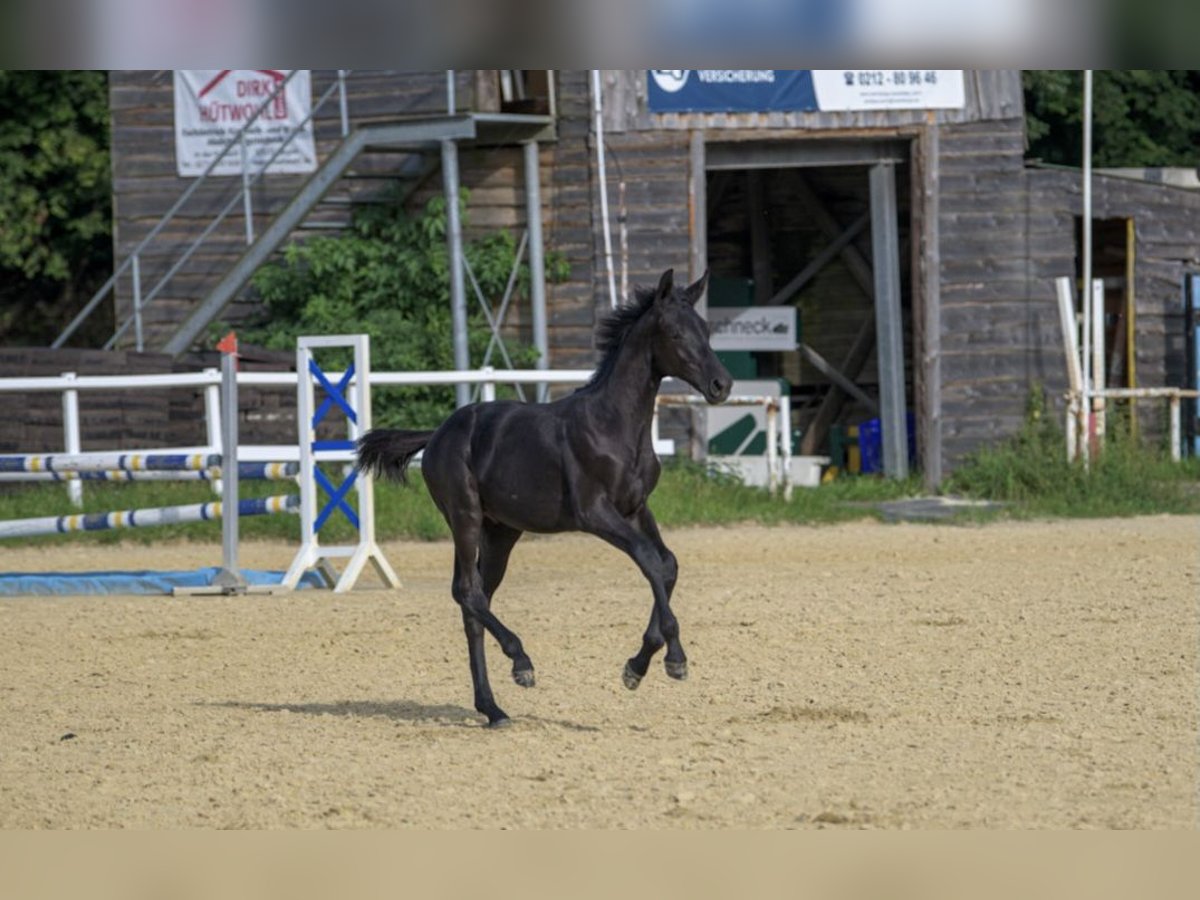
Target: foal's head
(679, 339)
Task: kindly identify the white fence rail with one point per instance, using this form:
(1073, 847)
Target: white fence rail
(71, 386)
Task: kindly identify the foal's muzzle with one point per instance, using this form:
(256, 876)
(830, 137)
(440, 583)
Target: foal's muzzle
(717, 389)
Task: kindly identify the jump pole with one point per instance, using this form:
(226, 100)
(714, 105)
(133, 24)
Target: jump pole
(147, 518)
(247, 471)
(351, 392)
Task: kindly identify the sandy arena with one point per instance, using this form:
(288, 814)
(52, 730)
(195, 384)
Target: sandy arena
(866, 675)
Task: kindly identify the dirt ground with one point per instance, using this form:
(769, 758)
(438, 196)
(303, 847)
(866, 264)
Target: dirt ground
(865, 675)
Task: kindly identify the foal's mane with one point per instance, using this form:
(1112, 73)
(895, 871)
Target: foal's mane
(614, 327)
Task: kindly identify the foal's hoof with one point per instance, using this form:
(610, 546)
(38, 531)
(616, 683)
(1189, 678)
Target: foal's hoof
(501, 722)
(631, 678)
(676, 670)
(523, 677)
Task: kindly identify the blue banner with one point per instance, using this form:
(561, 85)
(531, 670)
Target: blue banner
(803, 90)
(731, 90)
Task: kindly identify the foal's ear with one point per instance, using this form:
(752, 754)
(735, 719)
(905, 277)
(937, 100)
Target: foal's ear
(693, 292)
(666, 284)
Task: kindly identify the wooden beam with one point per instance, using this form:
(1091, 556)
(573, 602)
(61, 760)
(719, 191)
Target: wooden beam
(823, 366)
(859, 267)
(831, 405)
(821, 260)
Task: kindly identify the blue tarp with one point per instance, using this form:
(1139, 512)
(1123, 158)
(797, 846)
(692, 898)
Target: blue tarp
(67, 583)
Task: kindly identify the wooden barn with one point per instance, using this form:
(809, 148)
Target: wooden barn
(894, 211)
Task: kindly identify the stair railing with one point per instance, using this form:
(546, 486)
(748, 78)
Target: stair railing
(132, 261)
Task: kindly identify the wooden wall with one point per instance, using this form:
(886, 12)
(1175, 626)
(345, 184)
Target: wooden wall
(999, 331)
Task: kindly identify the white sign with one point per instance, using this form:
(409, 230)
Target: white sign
(213, 105)
(859, 89)
(752, 327)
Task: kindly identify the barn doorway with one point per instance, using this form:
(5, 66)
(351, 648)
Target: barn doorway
(790, 224)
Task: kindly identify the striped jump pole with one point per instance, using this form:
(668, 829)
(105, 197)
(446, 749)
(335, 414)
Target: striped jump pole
(111, 462)
(248, 471)
(144, 518)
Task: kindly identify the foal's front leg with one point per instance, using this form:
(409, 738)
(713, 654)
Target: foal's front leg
(654, 638)
(639, 538)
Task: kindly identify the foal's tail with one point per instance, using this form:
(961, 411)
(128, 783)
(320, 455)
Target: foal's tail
(386, 452)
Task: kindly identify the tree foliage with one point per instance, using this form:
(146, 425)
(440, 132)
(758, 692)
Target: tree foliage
(1140, 117)
(388, 277)
(55, 198)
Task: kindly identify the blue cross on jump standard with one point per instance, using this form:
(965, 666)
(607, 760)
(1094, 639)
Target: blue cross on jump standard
(335, 395)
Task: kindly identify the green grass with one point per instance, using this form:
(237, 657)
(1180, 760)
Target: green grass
(1032, 475)
(690, 494)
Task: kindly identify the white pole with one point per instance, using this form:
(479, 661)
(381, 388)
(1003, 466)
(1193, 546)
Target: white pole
(71, 442)
(1175, 427)
(487, 390)
(785, 443)
(1098, 367)
(598, 107)
(212, 422)
(1087, 262)
(772, 456)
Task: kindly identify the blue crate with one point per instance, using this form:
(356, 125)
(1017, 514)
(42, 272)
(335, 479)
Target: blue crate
(870, 444)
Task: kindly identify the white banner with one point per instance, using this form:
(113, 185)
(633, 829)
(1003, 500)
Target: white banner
(752, 327)
(213, 105)
(859, 89)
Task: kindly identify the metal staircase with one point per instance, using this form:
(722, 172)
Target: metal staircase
(413, 142)
(417, 133)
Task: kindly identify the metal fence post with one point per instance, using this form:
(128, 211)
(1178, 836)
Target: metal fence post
(342, 107)
(137, 303)
(247, 208)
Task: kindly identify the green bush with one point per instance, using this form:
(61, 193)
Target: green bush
(388, 277)
(1031, 472)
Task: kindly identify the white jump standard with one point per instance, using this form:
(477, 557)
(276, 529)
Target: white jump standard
(356, 404)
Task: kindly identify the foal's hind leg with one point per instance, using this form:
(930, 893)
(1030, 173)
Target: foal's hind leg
(469, 593)
(496, 544)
